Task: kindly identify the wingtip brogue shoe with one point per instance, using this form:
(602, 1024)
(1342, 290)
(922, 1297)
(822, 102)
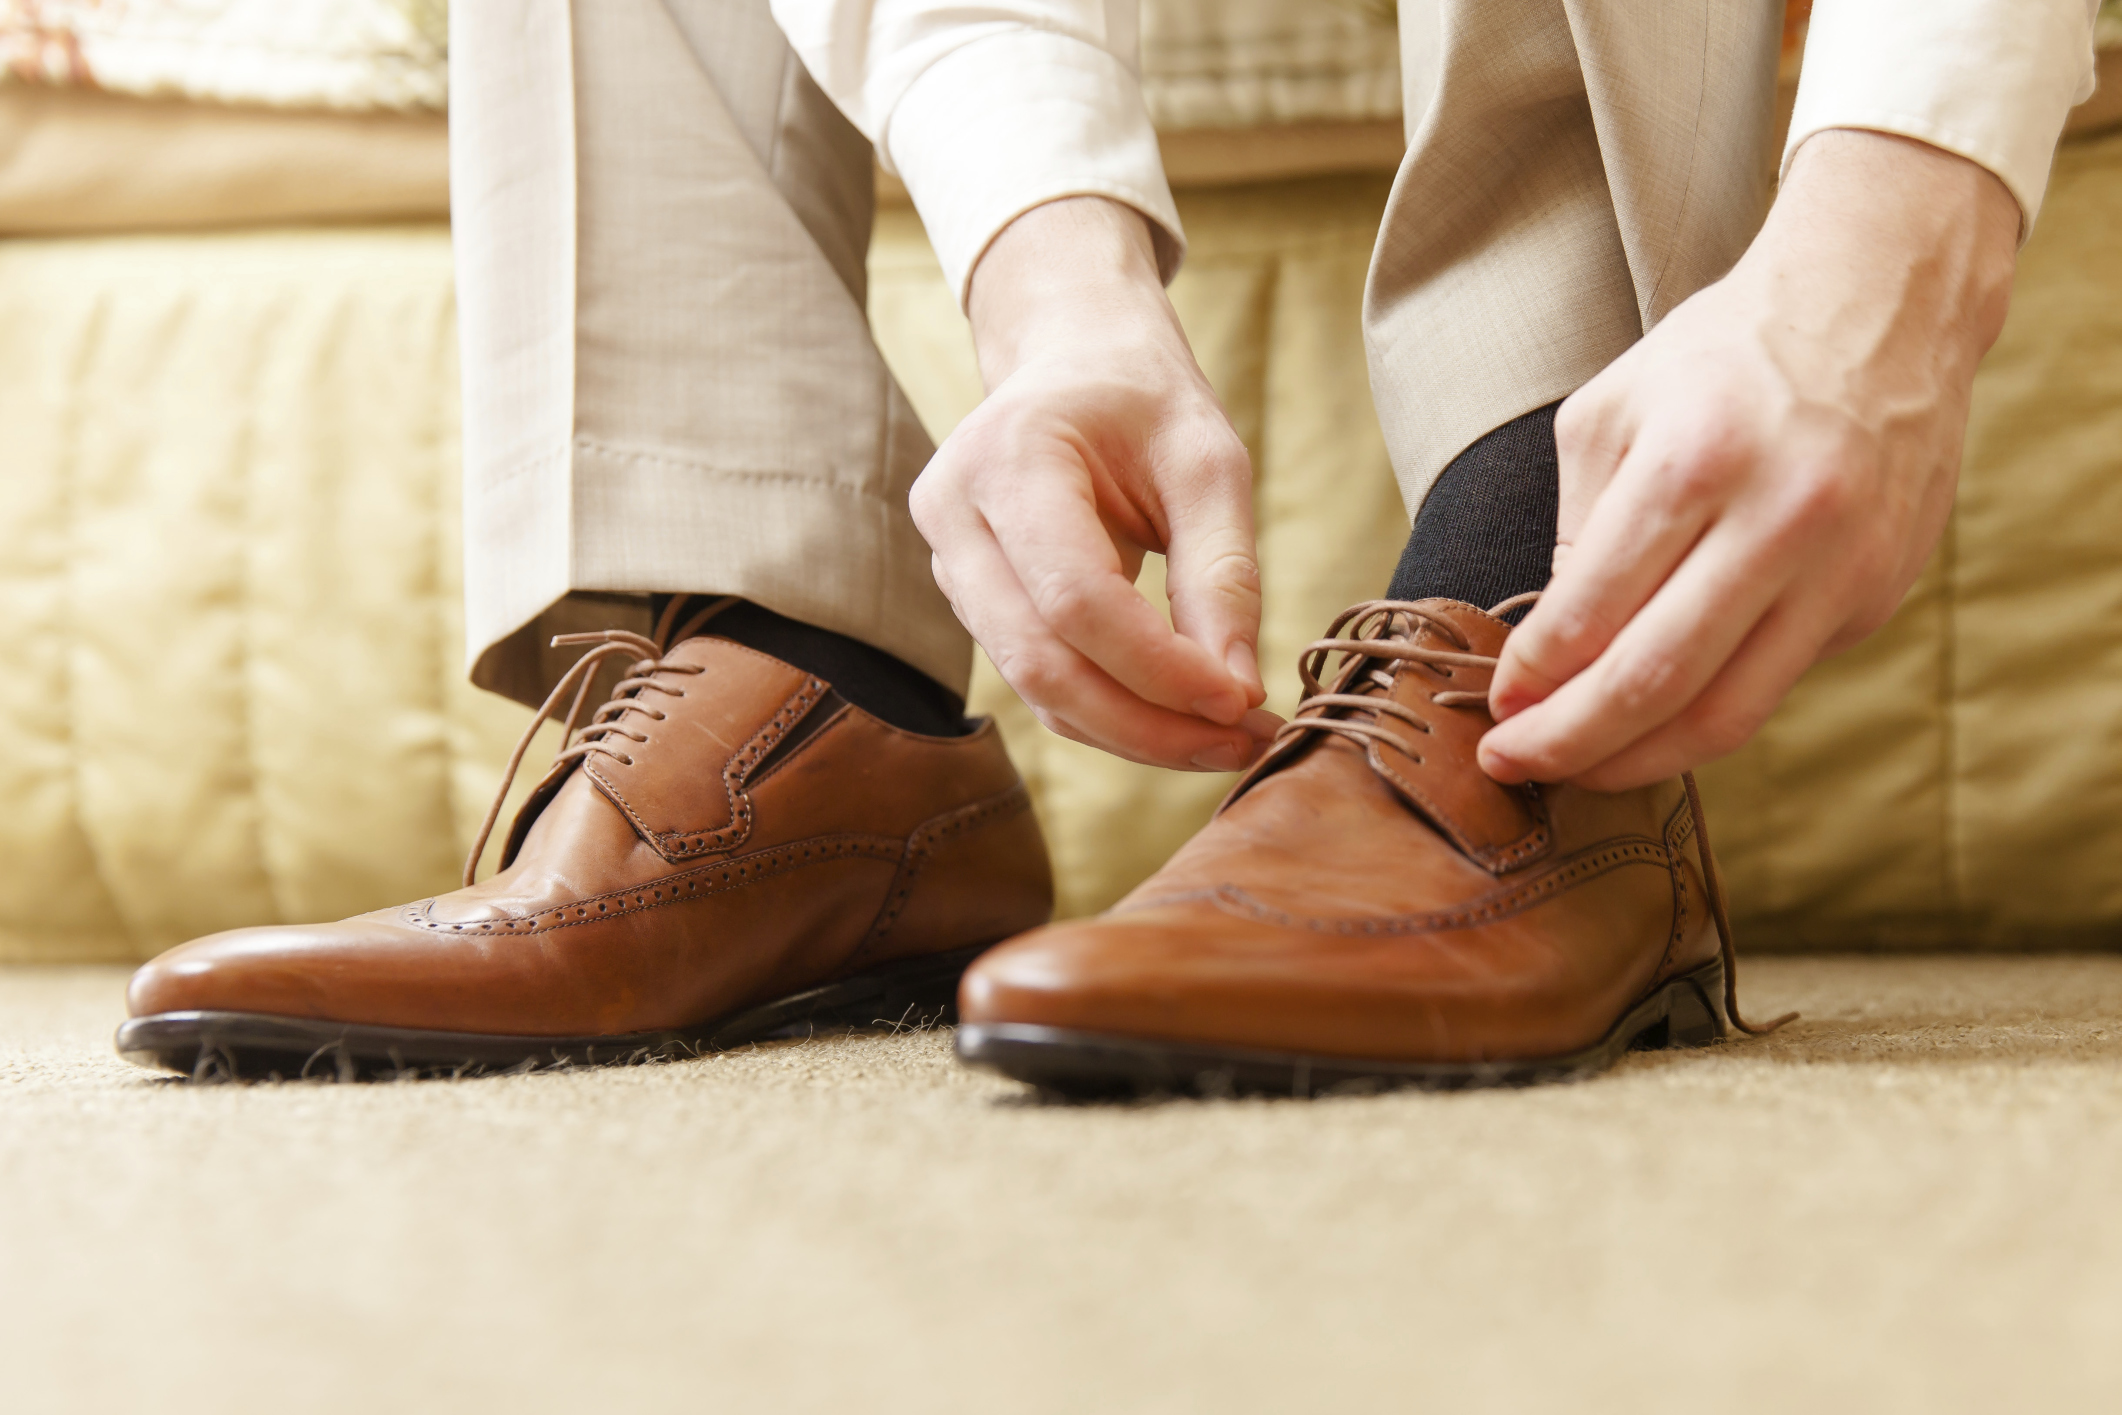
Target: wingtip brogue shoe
(727, 850)
(1368, 908)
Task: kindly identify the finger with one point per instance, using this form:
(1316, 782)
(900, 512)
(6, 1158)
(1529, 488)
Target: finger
(1649, 517)
(1212, 570)
(1068, 692)
(1062, 555)
(1653, 668)
(1731, 709)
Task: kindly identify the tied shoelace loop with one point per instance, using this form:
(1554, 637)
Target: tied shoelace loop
(608, 726)
(1375, 639)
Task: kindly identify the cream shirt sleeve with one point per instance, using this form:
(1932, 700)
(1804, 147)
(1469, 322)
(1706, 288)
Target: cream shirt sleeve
(1991, 80)
(986, 108)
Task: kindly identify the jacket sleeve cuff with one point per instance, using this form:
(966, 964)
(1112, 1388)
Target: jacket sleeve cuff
(1989, 80)
(1017, 119)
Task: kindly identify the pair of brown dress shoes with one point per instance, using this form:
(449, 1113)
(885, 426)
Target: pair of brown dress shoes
(729, 851)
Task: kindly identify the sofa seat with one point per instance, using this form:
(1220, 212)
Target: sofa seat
(230, 667)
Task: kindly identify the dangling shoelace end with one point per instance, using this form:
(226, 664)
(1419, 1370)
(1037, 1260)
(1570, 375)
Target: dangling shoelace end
(1714, 888)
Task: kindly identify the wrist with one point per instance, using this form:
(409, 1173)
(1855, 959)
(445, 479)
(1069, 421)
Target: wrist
(1062, 274)
(1887, 215)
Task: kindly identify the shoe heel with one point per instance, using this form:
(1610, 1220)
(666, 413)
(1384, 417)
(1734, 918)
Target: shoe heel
(1694, 1014)
(918, 993)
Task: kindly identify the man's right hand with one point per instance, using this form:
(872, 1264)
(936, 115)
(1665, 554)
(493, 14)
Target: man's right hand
(1100, 441)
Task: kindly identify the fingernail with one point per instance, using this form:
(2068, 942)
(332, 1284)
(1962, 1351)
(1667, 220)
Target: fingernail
(1223, 709)
(1261, 724)
(1244, 665)
(1224, 758)
(1500, 766)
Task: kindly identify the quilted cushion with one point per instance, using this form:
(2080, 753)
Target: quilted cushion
(229, 685)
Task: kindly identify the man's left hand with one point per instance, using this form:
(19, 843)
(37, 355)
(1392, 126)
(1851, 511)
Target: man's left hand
(1757, 483)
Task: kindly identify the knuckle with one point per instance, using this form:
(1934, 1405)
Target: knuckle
(1035, 677)
(1724, 730)
(1565, 639)
(1220, 449)
(1644, 680)
(1701, 475)
(1059, 725)
(1825, 497)
(1581, 422)
(1871, 614)
(1067, 604)
(921, 499)
(1228, 573)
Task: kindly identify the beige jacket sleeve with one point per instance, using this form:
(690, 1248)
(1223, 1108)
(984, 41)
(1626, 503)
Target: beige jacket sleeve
(1991, 80)
(986, 109)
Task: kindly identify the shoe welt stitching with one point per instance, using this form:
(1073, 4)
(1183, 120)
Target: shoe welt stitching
(746, 869)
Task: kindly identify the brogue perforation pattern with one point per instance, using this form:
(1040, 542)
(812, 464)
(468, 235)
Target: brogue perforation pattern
(921, 845)
(699, 882)
(1490, 907)
(681, 845)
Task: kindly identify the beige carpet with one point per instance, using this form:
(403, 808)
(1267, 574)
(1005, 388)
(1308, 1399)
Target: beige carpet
(1910, 1201)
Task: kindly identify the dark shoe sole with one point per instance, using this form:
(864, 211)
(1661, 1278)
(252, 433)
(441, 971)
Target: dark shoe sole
(258, 1046)
(1685, 1011)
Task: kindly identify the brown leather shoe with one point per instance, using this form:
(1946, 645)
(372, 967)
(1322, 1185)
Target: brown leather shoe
(1369, 908)
(728, 850)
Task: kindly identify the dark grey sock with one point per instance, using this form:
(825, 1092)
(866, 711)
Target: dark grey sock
(1487, 530)
(871, 679)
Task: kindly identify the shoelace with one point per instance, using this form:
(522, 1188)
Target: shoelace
(1384, 629)
(598, 735)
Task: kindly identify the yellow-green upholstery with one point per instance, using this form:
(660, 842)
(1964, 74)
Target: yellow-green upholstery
(229, 652)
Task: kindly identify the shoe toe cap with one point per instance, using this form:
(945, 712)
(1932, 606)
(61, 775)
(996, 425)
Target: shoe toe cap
(1095, 974)
(284, 970)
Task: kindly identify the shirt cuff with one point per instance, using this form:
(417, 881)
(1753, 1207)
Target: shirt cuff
(1990, 80)
(1016, 119)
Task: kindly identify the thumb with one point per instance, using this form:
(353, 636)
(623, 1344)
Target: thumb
(1212, 571)
(1593, 430)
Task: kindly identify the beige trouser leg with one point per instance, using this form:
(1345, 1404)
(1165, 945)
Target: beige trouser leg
(661, 225)
(1575, 168)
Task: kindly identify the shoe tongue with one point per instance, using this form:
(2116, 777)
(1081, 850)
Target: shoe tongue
(1483, 632)
(684, 788)
(1435, 772)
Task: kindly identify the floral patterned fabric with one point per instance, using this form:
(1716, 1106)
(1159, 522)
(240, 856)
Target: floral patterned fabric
(344, 54)
(1206, 63)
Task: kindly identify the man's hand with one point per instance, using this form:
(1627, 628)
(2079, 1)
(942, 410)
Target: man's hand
(1098, 442)
(1756, 484)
